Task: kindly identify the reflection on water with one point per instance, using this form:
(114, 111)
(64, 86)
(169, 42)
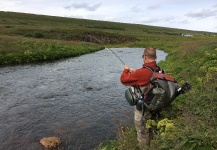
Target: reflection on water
(79, 100)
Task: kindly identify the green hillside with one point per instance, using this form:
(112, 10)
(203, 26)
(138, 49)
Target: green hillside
(191, 124)
(30, 38)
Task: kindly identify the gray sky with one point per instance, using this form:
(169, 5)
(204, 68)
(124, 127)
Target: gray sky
(198, 15)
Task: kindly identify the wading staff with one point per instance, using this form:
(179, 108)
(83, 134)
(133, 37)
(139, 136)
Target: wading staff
(107, 48)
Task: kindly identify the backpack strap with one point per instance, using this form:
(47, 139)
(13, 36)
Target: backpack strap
(151, 69)
(158, 69)
(147, 91)
(149, 84)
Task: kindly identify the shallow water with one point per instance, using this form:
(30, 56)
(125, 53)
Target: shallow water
(80, 100)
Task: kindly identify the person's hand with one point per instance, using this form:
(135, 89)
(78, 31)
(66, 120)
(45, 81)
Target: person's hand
(131, 70)
(128, 68)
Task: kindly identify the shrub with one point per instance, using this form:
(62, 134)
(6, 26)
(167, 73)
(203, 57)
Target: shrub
(28, 35)
(38, 35)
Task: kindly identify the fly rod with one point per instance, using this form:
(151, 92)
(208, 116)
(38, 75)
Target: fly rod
(107, 48)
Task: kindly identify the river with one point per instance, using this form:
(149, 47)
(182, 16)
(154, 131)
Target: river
(80, 100)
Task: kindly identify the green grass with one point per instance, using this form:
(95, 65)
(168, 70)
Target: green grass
(26, 38)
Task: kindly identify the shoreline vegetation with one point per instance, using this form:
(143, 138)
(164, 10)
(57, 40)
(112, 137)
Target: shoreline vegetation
(190, 122)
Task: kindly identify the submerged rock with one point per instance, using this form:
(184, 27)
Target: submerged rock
(50, 142)
(88, 88)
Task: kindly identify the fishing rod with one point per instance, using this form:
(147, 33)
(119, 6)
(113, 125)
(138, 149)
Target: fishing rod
(107, 48)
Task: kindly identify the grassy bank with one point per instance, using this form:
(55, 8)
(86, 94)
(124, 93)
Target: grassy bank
(194, 114)
(190, 123)
(23, 50)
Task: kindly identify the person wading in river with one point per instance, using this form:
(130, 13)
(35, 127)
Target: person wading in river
(141, 77)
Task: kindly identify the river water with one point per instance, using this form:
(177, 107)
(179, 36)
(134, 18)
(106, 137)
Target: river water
(80, 100)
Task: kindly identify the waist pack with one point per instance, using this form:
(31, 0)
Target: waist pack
(134, 93)
(162, 89)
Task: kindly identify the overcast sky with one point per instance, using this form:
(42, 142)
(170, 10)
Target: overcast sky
(198, 15)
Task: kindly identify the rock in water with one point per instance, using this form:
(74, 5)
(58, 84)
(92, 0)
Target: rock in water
(50, 142)
(88, 88)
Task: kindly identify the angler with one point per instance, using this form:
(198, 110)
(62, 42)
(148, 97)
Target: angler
(150, 91)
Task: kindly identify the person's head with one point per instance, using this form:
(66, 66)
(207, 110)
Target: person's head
(149, 54)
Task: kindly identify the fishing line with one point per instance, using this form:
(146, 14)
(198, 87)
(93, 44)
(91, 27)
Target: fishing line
(107, 48)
